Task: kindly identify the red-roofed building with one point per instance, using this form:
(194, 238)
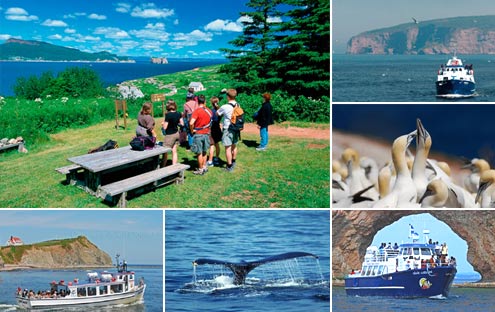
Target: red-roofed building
(14, 241)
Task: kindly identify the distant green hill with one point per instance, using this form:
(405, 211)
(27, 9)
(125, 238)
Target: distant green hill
(24, 50)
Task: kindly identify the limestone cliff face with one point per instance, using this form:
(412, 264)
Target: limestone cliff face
(77, 252)
(353, 232)
(466, 35)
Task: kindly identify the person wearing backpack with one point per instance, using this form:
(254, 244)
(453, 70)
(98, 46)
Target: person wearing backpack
(264, 118)
(200, 125)
(230, 136)
(189, 107)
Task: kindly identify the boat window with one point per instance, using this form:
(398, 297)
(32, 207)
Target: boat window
(116, 288)
(103, 290)
(416, 251)
(380, 269)
(91, 291)
(368, 272)
(81, 292)
(131, 277)
(426, 251)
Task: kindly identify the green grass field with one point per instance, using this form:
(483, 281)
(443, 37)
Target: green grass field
(293, 172)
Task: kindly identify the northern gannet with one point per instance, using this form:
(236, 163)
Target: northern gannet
(403, 193)
(356, 179)
(423, 145)
(472, 181)
(486, 195)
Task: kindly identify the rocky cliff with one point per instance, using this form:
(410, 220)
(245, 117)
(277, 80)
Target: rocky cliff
(466, 35)
(353, 232)
(67, 253)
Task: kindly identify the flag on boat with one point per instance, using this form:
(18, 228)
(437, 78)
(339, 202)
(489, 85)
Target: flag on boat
(412, 234)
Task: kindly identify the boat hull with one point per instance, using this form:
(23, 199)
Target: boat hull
(455, 88)
(61, 303)
(411, 283)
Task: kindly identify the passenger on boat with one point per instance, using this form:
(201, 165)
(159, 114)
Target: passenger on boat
(389, 247)
(396, 246)
(432, 261)
(445, 252)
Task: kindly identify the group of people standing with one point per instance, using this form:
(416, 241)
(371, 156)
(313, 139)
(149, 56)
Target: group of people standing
(204, 129)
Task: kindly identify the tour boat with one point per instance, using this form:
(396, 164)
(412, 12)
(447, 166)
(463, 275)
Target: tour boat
(100, 289)
(455, 80)
(409, 271)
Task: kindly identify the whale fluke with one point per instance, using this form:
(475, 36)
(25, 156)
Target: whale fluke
(241, 269)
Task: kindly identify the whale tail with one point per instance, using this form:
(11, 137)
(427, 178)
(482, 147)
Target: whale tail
(242, 269)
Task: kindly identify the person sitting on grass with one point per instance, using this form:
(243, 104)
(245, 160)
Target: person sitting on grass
(200, 127)
(170, 130)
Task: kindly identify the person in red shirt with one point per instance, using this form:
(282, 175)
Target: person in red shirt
(200, 125)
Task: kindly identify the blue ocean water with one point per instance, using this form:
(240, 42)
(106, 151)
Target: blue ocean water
(459, 300)
(402, 78)
(40, 279)
(235, 235)
(110, 73)
(461, 130)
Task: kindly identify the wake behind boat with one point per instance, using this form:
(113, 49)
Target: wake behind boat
(411, 270)
(100, 289)
(455, 80)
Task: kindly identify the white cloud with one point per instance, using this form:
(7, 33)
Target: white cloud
(176, 22)
(19, 14)
(69, 31)
(55, 37)
(152, 31)
(111, 32)
(16, 11)
(223, 25)
(195, 35)
(54, 23)
(5, 37)
(123, 7)
(210, 52)
(149, 10)
(188, 40)
(97, 17)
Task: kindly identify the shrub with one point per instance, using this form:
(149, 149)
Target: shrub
(74, 82)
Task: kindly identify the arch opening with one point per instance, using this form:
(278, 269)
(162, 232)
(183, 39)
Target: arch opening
(437, 231)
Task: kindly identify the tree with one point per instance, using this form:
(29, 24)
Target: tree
(305, 66)
(285, 45)
(250, 65)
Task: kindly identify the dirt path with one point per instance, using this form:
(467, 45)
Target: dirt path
(288, 131)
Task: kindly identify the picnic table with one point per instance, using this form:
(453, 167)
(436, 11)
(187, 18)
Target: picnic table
(114, 172)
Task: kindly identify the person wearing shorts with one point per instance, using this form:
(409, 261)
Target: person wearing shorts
(229, 138)
(200, 125)
(170, 129)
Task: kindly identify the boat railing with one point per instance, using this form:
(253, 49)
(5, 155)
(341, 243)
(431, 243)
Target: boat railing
(383, 255)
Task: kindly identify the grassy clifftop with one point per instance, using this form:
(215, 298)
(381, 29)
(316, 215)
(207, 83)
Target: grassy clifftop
(68, 252)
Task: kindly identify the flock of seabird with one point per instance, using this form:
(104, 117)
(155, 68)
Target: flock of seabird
(409, 181)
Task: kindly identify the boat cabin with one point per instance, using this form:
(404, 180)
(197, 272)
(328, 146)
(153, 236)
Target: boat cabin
(407, 257)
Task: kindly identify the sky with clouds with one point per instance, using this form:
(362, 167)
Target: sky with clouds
(137, 235)
(171, 28)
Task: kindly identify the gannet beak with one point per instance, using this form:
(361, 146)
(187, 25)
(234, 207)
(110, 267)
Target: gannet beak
(481, 189)
(410, 137)
(427, 193)
(422, 133)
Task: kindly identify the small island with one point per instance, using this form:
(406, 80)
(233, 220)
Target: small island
(76, 252)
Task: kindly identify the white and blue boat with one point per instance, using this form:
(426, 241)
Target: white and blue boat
(455, 80)
(412, 270)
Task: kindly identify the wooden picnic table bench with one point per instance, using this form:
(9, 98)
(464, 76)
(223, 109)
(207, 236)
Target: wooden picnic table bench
(108, 166)
(112, 174)
(155, 178)
(10, 146)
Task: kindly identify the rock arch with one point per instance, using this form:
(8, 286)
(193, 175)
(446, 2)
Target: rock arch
(353, 232)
